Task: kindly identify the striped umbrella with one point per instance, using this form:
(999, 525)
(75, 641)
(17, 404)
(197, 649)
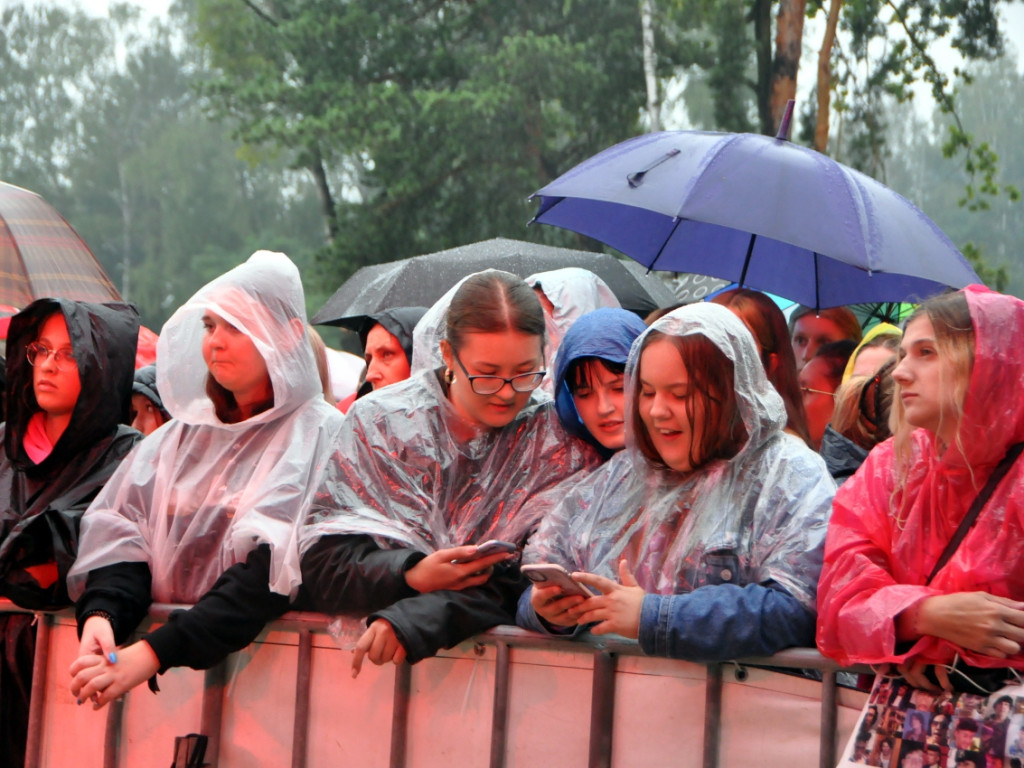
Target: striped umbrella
(41, 255)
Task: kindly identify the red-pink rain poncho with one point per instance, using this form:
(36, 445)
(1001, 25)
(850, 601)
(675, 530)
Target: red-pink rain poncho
(875, 568)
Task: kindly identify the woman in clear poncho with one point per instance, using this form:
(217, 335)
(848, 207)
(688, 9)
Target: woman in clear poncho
(956, 413)
(430, 467)
(713, 518)
(205, 510)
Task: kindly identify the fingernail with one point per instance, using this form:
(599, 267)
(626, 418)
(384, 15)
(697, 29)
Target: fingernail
(113, 657)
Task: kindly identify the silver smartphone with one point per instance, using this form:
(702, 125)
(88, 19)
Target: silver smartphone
(549, 573)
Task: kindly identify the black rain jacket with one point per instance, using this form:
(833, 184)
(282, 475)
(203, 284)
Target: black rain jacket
(41, 505)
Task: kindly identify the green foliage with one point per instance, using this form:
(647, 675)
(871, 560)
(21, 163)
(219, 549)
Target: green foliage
(433, 129)
(989, 233)
(118, 143)
(905, 31)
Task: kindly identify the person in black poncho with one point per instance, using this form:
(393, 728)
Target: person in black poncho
(69, 377)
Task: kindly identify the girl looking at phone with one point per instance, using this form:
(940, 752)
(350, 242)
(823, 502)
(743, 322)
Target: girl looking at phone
(956, 414)
(704, 537)
(432, 466)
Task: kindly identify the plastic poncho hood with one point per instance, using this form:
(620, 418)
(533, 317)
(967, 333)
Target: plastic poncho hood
(886, 537)
(573, 292)
(759, 517)
(198, 494)
(607, 334)
(263, 298)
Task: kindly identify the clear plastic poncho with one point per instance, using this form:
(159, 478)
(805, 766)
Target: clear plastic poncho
(198, 495)
(573, 292)
(884, 541)
(410, 472)
(763, 512)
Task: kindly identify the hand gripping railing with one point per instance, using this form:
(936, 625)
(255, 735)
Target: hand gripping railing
(605, 652)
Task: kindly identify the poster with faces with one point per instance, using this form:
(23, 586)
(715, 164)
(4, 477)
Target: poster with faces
(906, 727)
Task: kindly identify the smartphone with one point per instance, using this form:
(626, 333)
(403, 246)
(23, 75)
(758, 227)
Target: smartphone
(492, 547)
(549, 573)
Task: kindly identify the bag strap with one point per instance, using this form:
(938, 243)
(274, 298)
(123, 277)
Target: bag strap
(979, 501)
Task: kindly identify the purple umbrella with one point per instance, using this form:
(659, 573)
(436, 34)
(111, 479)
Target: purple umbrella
(760, 211)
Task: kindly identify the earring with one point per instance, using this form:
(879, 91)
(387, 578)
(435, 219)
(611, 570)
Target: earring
(449, 376)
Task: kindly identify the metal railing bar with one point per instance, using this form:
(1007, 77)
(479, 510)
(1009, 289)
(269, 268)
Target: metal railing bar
(37, 694)
(712, 716)
(499, 717)
(300, 729)
(602, 710)
(212, 716)
(400, 715)
(112, 733)
(829, 720)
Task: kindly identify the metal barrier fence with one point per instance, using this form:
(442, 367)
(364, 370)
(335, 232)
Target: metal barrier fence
(605, 652)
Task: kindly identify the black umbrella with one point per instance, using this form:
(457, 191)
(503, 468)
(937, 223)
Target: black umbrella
(422, 280)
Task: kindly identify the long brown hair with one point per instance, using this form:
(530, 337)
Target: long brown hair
(492, 302)
(711, 373)
(768, 325)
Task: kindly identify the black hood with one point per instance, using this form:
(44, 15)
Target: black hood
(145, 384)
(399, 322)
(103, 339)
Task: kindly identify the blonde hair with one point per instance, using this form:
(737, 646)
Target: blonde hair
(316, 342)
(954, 344)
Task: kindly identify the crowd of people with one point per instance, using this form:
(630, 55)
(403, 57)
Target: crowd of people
(672, 481)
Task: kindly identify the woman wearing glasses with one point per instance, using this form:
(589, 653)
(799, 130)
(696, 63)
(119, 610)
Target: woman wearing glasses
(819, 380)
(428, 468)
(69, 381)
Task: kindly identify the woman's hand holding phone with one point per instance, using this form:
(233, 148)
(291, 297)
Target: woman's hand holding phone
(617, 609)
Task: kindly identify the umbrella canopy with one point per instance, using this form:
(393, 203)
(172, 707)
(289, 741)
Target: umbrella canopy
(760, 211)
(41, 255)
(422, 280)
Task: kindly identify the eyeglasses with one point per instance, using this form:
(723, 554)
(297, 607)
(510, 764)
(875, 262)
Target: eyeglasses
(491, 385)
(38, 354)
(809, 390)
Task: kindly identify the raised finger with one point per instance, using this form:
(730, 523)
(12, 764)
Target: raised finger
(360, 652)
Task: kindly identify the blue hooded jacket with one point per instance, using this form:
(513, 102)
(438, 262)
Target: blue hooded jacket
(605, 333)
